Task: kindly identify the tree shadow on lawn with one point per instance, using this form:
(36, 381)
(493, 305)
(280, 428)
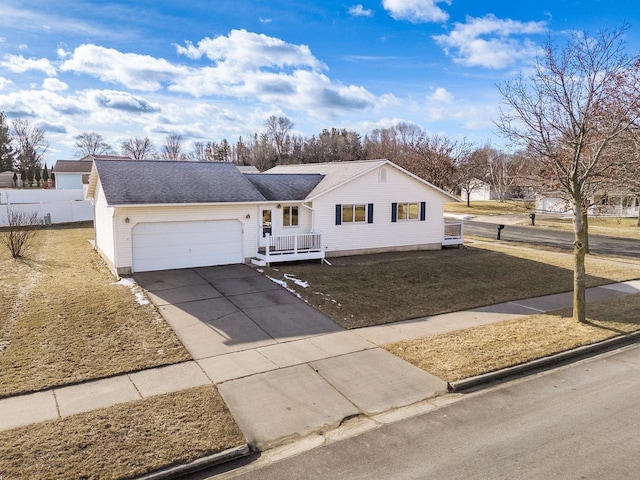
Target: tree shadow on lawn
(370, 290)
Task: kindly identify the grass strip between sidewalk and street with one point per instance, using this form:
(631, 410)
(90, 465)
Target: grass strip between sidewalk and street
(63, 319)
(474, 351)
(122, 441)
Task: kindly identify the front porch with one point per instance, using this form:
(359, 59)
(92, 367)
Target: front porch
(289, 248)
(452, 234)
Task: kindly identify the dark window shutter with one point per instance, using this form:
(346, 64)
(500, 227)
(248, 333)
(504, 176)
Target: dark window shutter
(423, 211)
(338, 214)
(394, 212)
(370, 213)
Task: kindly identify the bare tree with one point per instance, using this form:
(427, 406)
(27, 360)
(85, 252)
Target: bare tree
(138, 148)
(436, 158)
(568, 114)
(172, 148)
(20, 231)
(91, 143)
(278, 128)
(31, 145)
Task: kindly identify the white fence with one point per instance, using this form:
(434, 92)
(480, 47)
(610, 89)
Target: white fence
(13, 196)
(59, 212)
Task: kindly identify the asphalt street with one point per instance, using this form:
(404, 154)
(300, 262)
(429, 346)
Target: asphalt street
(554, 238)
(577, 422)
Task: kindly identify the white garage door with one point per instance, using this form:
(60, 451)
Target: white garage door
(168, 245)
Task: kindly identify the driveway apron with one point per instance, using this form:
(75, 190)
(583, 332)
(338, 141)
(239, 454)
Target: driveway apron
(284, 369)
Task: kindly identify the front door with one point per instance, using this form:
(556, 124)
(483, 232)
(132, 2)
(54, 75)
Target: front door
(266, 227)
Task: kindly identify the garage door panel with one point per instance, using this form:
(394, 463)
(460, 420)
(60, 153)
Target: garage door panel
(169, 245)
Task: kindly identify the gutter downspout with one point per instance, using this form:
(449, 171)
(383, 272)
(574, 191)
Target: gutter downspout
(313, 217)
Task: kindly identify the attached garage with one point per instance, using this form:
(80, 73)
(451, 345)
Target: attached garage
(171, 245)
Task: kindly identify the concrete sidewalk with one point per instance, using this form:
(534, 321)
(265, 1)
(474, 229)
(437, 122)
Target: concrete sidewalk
(283, 369)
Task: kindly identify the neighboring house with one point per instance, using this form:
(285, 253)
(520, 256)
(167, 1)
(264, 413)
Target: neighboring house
(155, 215)
(601, 205)
(74, 174)
(480, 191)
(6, 179)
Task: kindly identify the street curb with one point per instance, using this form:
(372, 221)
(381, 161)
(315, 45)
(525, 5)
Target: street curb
(199, 464)
(541, 363)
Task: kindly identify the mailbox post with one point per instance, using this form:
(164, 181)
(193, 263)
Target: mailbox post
(532, 216)
(500, 227)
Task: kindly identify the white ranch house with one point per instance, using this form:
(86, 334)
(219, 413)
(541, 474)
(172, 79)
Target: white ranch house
(157, 215)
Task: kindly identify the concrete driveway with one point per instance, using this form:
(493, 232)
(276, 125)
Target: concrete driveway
(284, 369)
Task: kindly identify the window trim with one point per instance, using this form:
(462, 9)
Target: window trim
(368, 213)
(290, 209)
(421, 214)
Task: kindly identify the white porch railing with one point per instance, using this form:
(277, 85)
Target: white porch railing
(285, 248)
(452, 234)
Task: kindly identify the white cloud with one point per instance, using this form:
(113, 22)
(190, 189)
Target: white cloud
(242, 49)
(135, 71)
(117, 100)
(441, 95)
(360, 11)
(4, 82)
(54, 85)
(416, 11)
(20, 64)
(486, 41)
(61, 52)
(265, 20)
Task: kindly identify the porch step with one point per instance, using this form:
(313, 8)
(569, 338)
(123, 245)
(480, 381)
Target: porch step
(258, 262)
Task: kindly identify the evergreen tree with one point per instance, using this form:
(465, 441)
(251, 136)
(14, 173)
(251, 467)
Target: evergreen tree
(7, 153)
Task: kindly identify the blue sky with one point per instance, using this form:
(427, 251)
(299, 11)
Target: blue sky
(218, 69)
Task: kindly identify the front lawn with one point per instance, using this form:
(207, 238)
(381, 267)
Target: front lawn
(64, 320)
(368, 290)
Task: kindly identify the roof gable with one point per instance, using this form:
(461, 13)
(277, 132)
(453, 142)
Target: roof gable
(337, 174)
(148, 182)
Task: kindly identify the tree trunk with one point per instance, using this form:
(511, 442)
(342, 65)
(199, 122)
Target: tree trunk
(579, 252)
(585, 226)
(469, 203)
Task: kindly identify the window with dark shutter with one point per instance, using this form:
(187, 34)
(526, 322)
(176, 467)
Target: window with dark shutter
(423, 211)
(338, 214)
(370, 213)
(394, 212)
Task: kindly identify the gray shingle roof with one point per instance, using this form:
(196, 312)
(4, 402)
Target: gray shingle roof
(284, 187)
(140, 182)
(72, 166)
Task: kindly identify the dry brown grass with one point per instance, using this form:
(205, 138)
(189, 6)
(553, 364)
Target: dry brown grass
(474, 351)
(374, 289)
(67, 321)
(606, 226)
(123, 441)
(489, 207)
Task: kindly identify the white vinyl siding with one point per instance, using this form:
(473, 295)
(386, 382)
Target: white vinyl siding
(380, 234)
(103, 225)
(186, 213)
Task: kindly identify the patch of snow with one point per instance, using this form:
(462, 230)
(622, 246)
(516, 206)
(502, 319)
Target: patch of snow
(300, 283)
(259, 270)
(141, 298)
